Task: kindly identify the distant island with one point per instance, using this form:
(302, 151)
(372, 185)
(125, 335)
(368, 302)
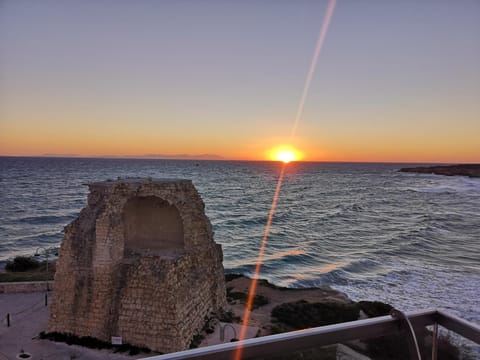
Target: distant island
(145, 156)
(470, 170)
(182, 156)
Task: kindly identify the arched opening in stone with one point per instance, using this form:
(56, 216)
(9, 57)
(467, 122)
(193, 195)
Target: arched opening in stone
(152, 226)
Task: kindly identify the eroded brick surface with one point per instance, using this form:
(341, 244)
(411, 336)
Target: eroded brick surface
(139, 262)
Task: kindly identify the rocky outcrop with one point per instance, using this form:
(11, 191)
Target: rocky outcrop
(139, 263)
(471, 170)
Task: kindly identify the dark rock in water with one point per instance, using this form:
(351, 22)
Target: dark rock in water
(471, 170)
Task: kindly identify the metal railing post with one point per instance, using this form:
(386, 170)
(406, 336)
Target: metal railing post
(411, 336)
(37, 253)
(287, 343)
(434, 341)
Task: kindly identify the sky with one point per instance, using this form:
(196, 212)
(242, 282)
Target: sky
(396, 81)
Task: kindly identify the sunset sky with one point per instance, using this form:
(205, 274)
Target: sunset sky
(395, 80)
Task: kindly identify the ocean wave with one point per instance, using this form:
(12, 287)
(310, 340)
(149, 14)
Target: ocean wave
(437, 190)
(38, 238)
(291, 254)
(337, 277)
(336, 274)
(362, 266)
(46, 219)
(449, 186)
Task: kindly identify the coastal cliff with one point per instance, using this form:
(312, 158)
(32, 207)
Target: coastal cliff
(470, 170)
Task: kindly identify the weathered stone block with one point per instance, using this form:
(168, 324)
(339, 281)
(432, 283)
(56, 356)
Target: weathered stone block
(139, 262)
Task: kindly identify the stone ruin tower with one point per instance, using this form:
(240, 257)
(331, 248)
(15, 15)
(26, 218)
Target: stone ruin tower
(139, 262)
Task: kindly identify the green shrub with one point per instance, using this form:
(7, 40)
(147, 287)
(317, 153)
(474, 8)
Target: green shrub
(91, 342)
(227, 316)
(278, 328)
(22, 263)
(375, 308)
(230, 277)
(302, 314)
(258, 300)
(196, 341)
(236, 295)
(10, 276)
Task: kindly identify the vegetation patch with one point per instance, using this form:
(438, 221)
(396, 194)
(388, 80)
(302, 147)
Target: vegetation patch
(196, 341)
(92, 343)
(24, 268)
(208, 328)
(24, 276)
(228, 316)
(375, 308)
(234, 296)
(302, 314)
(21, 264)
(259, 300)
(230, 277)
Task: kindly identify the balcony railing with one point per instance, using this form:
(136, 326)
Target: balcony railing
(331, 334)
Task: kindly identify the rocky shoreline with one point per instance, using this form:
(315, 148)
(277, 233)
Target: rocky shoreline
(278, 309)
(470, 170)
(275, 310)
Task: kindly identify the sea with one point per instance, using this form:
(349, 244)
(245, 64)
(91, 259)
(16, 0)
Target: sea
(366, 229)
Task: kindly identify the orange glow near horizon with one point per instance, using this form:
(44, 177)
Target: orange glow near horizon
(355, 145)
(284, 154)
(364, 150)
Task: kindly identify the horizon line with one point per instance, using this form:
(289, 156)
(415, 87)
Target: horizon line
(220, 158)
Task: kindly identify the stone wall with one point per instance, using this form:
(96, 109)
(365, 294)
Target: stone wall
(139, 262)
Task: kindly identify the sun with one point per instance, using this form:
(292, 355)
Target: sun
(284, 154)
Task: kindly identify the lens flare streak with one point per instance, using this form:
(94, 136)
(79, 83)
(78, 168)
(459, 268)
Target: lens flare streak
(253, 285)
(320, 41)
